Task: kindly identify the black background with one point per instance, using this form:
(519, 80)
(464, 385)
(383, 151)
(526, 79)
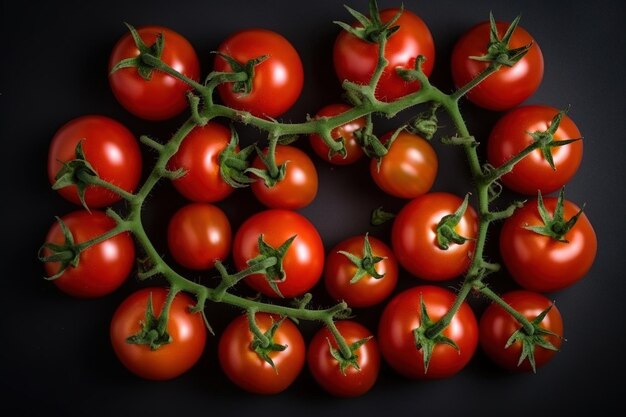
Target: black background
(56, 357)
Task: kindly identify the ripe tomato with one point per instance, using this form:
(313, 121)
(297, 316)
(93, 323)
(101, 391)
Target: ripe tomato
(409, 168)
(277, 81)
(345, 132)
(326, 370)
(299, 186)
(509, 86)
(163, 96)
(198, 235)
(303, 262)
(355, 59)
(541, 263)
(414, 237)
(108, 146)
(247, 369)
(402, 315)
(511, 134)
(497, 326)
(103, 267)
(368, 290)
(170, 360)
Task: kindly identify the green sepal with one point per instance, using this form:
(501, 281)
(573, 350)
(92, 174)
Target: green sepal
(380, 216)
(494, 188)
(554, 226)
(265, 174)
(152, 333)
(366, 264)
(143, 69)
(372, 28)
(426, 123)
(373, 147)
(66, 253)
(498, 50)
(446, 234)
(264, 351)
(353, 360)
(545, 139)
(243, 87)
(274, 274)
(69, 174)
(233, 163)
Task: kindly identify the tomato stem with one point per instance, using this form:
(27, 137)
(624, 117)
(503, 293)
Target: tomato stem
(523, 321)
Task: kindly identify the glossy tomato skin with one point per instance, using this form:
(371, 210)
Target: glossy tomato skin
(402, 315)
(509, 86)
(187, 330)
(367, 291)
(103, 267)
(355, 59)
(414, 237)
(325, 368)
(109, 147)
(304, 261)
(278, 80)
(346, 132)
(198, 235)
(299, 186)
(510, 135)
(496, 327)
(163, 96)
(408, 169)
(540, 263)
(247, 369)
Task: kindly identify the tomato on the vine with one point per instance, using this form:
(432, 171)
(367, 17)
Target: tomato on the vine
(346, 132)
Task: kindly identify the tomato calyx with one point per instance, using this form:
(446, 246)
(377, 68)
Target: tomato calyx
(380, 216)
(498, 51)
(554, 226)
(352, 361)
(144, 69)
(76, 172)
(545, 139)
(68, 253)
(372, 146)
(274, 274)
(244, 86)
(366, 264)
(153, 332)
(426, 123)
(233, 163)
(446, 234)
(372, 28)
(273, 173)
(263, 343)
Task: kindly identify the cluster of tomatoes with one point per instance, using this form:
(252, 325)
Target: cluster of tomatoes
(362, 270)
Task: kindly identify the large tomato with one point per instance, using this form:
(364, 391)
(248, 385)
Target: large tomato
(345, 132)
(108, 146)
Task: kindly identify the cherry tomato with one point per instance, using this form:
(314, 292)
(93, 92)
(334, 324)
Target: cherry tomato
(353, 381)
(414, 237)
(303, 262)
(509, 86)
(277, 81)
(163, 96)
(511, 135)
(409, 168)
(402, 315)
(345, 132)
(497, 326)
(198, 235)
(355, 59)
(187, 331)
(108, 146)
(247, 369)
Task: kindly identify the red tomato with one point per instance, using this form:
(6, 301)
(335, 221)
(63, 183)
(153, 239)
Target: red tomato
(414, 237)
(510, 135)
(103, 267)
(541, 263)
(355, 59)
(367, 291)
(163, 96)
(345, 132)
(187, 330)
(299, 186)
(247, 369)
(198, 235)
(409, 168)
(277, 81)
(402, 315)
(304, 261)
(497, 326)
(108, 146)
(509, 86)
(326, 369)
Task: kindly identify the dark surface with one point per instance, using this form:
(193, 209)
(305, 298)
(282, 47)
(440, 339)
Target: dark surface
(56, 357)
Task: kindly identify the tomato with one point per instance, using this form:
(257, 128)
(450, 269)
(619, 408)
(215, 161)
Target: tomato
(103, 267)
(303, 262)
(326, 370)
(162, 96)
(402, 315)
(511, 134)
(541, 263)
(409, 168)
(368, 290)
(108, 146)
(198, 235)
(299, 186)
(345, 132)
(497, 326)
(187, 331)
(277, 81)
(247, 369)
(355, 59)
(509, 86)
(414, 237)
